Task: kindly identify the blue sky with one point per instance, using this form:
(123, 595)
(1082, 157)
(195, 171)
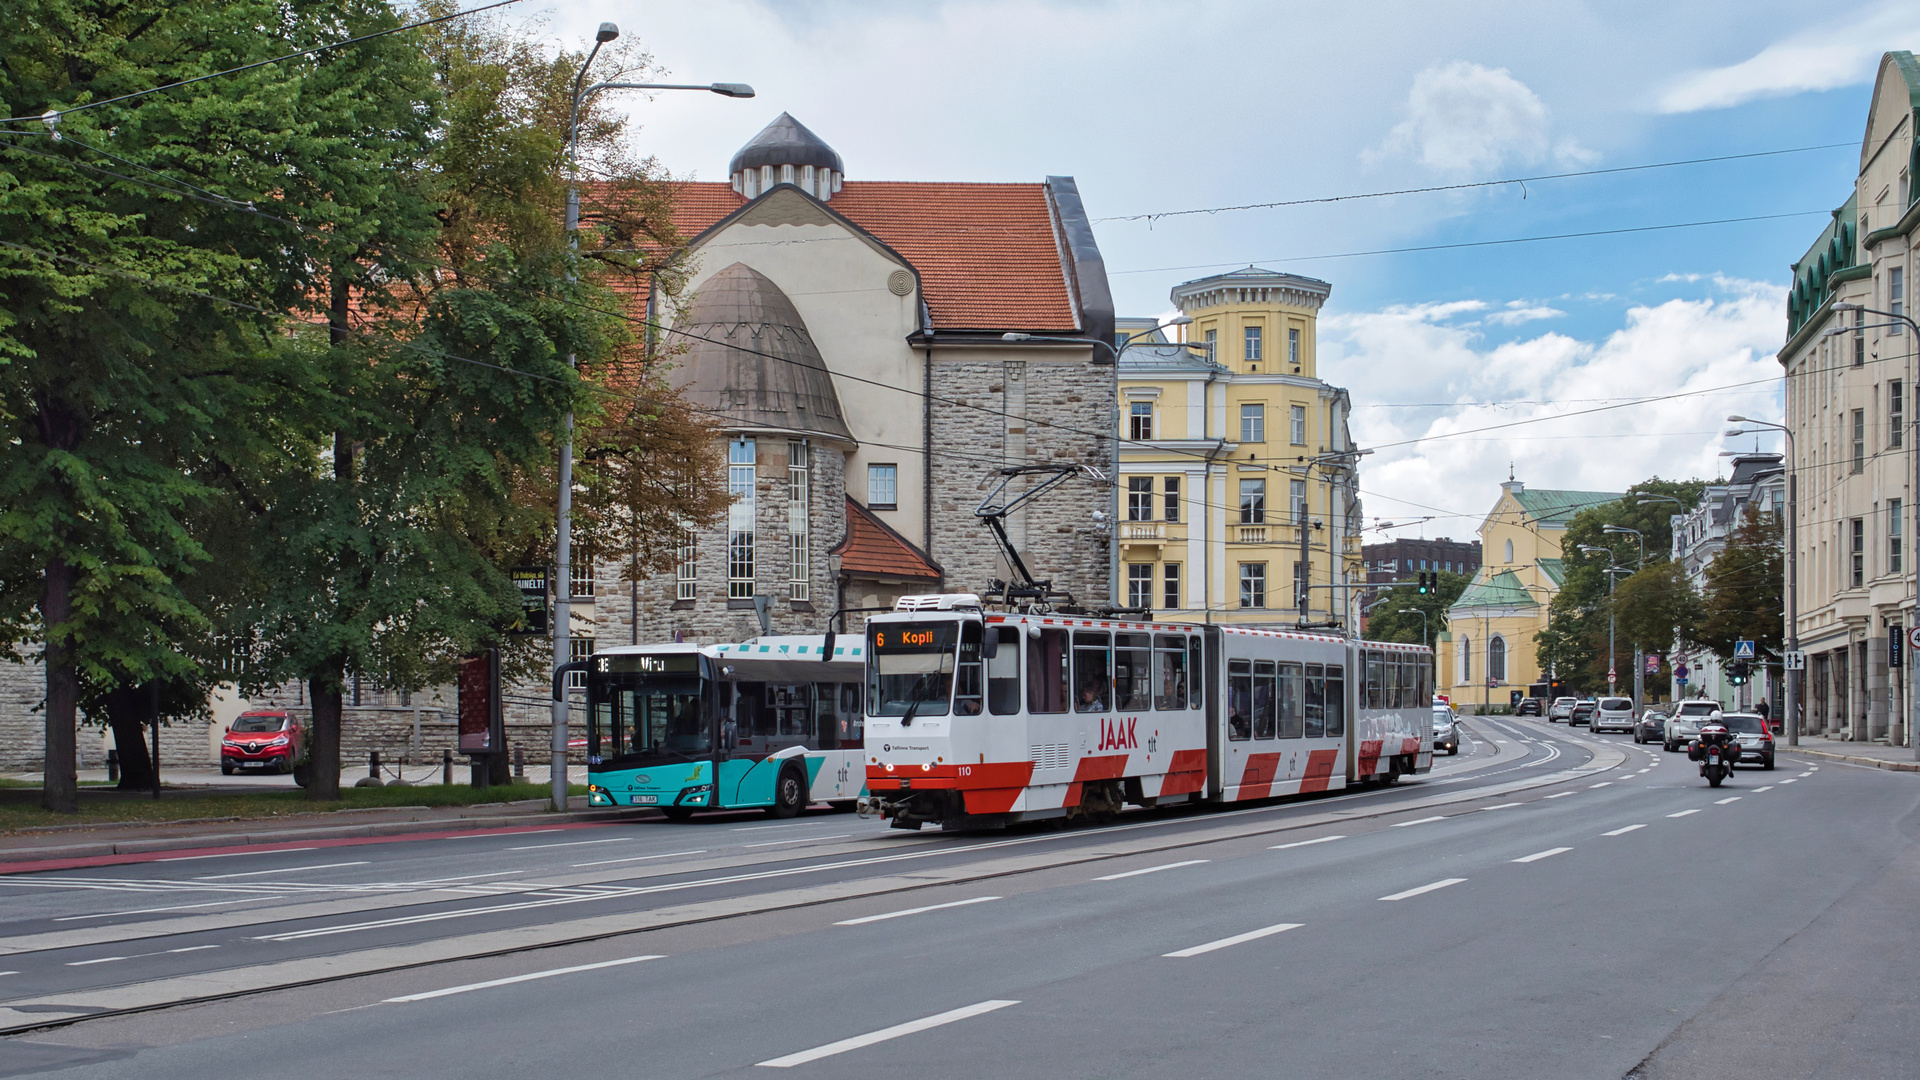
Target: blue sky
(1157, 107)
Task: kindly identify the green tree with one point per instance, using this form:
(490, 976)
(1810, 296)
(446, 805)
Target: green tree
(1744, 588)
(1387, 623)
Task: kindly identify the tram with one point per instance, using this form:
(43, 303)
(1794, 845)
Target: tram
(977, 718)
(774, 723)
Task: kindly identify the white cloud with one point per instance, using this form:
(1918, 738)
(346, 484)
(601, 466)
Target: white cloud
(1431, 386)
(1519, 311)
(1823, 58)
(1467, 119)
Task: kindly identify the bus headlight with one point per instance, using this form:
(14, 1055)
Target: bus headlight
(696, 794)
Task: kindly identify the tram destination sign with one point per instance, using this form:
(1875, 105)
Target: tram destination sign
(913, 637)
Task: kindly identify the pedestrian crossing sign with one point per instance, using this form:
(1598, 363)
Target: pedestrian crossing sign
(1743, 650)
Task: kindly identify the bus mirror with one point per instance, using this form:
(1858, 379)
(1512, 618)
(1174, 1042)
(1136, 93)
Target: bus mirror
(990, 645)
(826, 649)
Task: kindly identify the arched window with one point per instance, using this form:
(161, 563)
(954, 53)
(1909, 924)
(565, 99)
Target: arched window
(1497, 659)
(1466, 660)
(1509, 553)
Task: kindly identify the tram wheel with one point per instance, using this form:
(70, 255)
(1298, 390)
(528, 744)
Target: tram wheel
(789, 793)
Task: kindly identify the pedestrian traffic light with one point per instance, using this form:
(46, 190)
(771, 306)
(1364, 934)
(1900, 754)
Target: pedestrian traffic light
(1737, 674)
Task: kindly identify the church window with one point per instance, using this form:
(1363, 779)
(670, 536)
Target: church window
(799, 485)
(740, 485)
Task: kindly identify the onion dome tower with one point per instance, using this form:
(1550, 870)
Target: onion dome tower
(785, 152)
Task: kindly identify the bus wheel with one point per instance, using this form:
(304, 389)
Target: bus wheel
(677, 813)
(789, 793)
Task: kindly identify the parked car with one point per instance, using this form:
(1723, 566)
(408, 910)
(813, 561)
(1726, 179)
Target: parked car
(1582, 712)
(262, 738)
(1756, 741)
(1652, 726)
(1612, 714)
(1446, 729)
(1683, 724)
(1562, 709)
(1528, 707)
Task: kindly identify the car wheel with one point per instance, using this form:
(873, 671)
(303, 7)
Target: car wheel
(1767, 762)
(226, 768)
(1452, 750)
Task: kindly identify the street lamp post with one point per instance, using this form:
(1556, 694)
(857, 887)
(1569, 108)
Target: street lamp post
(1613, 568)
(1792, 688)
(1639, 664)
(1640, 500)
(1913, 702)
(1113, 509)
(563, 525)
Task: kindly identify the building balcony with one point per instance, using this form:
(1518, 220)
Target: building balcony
(1142, 530)
(1250, 534)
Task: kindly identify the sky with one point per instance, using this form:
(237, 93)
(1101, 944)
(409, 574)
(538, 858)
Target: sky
(1156, 108)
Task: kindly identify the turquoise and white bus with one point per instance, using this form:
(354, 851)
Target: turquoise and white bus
(769, 723)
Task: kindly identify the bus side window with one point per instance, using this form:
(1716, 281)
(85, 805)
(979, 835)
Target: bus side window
(826, 722)
(1196, 669)
(1092, 671)
(967, 676)
(1314, 696)
(852, 721)
(1239, 700)
(1336, 702)
(1263, 699)
(1291, 717)
(1003, 672)
(1169, 671)
(1047, 672)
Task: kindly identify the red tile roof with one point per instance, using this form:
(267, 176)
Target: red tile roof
(873, 549)
(986, 253)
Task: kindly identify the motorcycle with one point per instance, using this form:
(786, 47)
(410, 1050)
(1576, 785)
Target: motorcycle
(1716, 750)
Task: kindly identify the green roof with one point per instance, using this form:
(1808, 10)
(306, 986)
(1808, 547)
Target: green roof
(1556, 569)
(1504, 590)
(1550, 507)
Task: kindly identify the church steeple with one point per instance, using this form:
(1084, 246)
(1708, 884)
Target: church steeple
(785, 152)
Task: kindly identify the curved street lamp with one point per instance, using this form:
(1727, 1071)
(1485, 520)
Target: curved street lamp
(1792, 688)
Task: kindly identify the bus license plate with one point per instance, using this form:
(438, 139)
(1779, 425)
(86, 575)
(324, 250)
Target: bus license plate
(645, 800)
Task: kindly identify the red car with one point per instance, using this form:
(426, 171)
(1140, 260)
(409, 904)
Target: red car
(261, 737)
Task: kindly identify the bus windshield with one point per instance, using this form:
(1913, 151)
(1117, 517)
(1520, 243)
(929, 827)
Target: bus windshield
(649, 716)
(910, 668)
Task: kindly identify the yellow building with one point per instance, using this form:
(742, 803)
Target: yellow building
(1233, 449)
(1487, 652)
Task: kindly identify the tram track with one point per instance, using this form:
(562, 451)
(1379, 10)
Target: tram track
(982, 861)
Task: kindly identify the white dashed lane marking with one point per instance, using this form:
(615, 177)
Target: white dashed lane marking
(1684, 813)
(1538, 855)
(1623, 832)
(1410, 893)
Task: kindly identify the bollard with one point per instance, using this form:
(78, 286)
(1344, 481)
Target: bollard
(519, 765)
(113, 766)
(446, 767)
(373, 764)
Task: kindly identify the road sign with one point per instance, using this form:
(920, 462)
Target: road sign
(1653, 665)
(1681, 671)
(1743, 650)
(1913, 637)
(1611, 677)
(1796, 660)
(1492, 682)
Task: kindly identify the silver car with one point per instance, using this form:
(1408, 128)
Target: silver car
(1612, 714)
(1684, 725)
(1446, 730)
(1561, 709)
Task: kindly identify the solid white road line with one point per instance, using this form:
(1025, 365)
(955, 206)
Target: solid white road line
(1237, 939)
(9, 973)
(802, 840)
(1547, 854)
(1502, 806)
(529, 977)
(140, 956)
(639, 858)
(1560, 795)
(1684, 813)
(884, 1034)
(101, 960)
(232, 854)
(914, 911)
(1304, 843)
(757, 828)
(1623, 832)
(1441, 884)
(576, 843)
(1723, 802)
(495, 835)
(283, 870)
(177, 907)
(1758, 790)
(1421, 821)
(1152, 869)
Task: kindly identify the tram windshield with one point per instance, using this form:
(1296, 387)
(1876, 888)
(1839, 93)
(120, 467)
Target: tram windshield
(654, 714)
(910, 668)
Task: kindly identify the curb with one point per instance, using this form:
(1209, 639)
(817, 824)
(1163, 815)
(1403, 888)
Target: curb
(1855, 759)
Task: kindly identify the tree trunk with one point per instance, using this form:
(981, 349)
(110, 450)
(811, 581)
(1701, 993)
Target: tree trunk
(128, 713)
(323, 737)
(60, 789)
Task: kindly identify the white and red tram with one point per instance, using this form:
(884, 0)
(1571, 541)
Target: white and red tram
(976, 718)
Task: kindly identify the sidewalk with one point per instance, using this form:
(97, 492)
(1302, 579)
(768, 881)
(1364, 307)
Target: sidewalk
(1875, 755)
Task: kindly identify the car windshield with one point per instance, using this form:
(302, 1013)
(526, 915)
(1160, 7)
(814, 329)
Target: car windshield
(1614, 703)
(1746, 725)
(249, 725)
(910, 667)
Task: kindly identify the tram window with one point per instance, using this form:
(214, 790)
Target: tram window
(852, 719)
(1314, 697)
(1133, 672)
(1047, 672)
(967, 678)
(1003, 672)
(1196, 668)
(1392, 666)
(1336, 702)
(1291, 718)
(1169, 671)
(1239, 700)
(1263, 699)
(1375, 682)
(1092, 671)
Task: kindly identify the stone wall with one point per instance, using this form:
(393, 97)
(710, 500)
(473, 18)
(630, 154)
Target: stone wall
(1022, 412)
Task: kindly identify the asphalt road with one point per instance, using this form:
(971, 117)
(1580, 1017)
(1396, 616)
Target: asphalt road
(1517, 913)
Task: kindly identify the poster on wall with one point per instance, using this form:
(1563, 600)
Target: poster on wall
(478, 684)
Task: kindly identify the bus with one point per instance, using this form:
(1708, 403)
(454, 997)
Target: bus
(773, 723)
(979, 719)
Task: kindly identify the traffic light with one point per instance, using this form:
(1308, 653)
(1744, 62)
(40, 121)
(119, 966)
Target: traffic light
(1429, 583)
(1737, 674)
